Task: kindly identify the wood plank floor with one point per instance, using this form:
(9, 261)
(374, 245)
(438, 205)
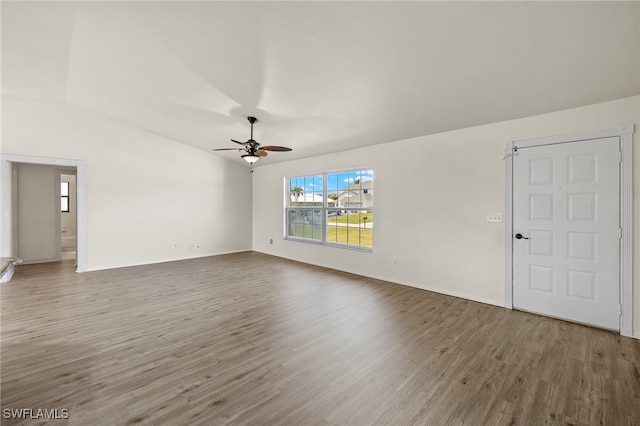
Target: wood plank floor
(252, 339)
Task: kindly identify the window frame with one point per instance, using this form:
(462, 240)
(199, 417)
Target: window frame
(324, 209)
(64, 197)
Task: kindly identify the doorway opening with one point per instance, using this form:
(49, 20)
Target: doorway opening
(17, 237)
(68, 215)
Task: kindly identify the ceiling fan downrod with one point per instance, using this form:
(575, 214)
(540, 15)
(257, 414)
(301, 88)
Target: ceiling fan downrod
(252, 120)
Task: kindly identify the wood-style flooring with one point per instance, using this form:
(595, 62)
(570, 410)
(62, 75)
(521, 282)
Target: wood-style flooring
(252, 339)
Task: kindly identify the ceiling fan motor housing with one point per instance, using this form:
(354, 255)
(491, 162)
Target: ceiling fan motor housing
(253, 148)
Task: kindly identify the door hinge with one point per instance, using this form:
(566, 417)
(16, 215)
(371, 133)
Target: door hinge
(620, 309)
(619, 156)
(619, 233)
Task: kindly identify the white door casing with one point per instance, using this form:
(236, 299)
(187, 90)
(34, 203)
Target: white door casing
(566, 207)
(624, 136)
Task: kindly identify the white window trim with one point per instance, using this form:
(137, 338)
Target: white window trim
(324, 208)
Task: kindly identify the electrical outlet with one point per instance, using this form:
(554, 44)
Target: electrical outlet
(494, 217)
(394, 261)
(270, 240)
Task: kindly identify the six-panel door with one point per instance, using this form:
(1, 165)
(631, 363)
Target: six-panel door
(566, 202)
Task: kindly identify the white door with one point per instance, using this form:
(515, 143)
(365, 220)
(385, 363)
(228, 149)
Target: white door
(566, 231)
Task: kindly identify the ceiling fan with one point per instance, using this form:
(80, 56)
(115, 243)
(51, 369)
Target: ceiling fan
(254, 151)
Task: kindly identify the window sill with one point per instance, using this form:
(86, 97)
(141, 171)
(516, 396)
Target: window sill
(326, 244)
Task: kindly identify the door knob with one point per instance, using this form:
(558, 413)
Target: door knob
(520, 237)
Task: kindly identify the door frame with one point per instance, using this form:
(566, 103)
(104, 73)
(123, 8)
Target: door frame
(7, 212)
(625, 135)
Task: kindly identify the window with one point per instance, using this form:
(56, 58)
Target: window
(64, 197)
(331, 208)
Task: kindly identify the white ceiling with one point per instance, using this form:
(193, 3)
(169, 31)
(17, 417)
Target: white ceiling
(321, 76)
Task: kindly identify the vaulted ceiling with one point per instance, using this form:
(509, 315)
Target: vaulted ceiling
(321, 76)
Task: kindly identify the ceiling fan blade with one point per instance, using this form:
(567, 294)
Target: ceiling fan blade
(275, 148)
(253, 148)
(227, 149)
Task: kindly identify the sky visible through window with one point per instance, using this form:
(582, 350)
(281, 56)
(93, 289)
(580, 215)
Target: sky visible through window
(336, 182)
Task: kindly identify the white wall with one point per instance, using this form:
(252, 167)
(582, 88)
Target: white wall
(144, 193)
(432, 197)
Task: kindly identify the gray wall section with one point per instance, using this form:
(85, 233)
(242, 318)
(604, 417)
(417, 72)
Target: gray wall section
(36, 219)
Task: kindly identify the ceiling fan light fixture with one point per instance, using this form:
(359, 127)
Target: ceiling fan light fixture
(250, 158)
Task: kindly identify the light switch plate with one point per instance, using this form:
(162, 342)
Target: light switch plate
(494, 217)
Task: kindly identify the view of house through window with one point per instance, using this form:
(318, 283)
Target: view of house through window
(332, 208)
